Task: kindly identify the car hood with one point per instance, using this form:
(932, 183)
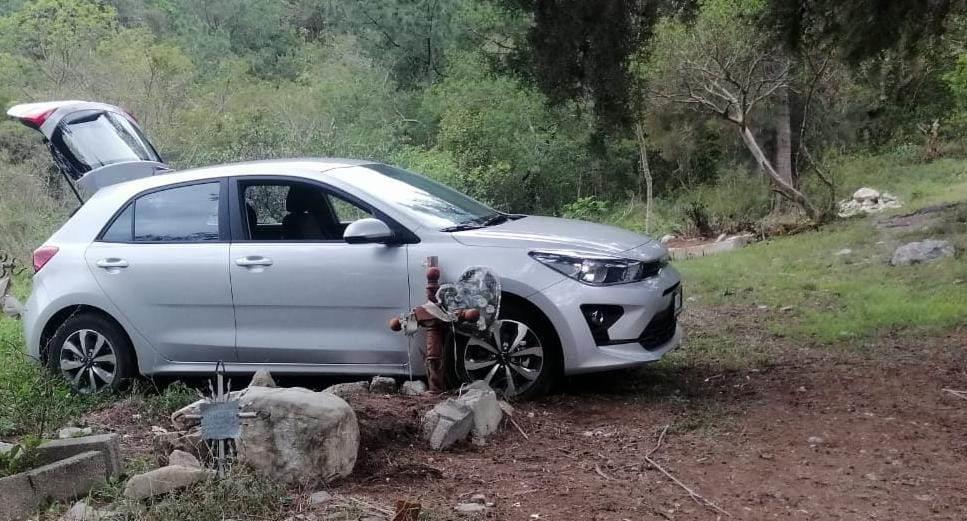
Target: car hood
(551, 233)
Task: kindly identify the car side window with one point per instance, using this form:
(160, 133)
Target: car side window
(181, 214)
(294, 212)
(122, 229)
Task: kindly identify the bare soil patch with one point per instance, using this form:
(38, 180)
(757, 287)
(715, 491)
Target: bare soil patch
(814, 434)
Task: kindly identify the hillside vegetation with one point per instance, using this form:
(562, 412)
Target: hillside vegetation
(738, 114)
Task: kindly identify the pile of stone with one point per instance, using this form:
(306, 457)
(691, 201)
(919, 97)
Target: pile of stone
(866, 201)
(476, 413)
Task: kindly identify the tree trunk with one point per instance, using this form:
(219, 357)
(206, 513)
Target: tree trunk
(645, 174)
(784, 166)
(788, 190)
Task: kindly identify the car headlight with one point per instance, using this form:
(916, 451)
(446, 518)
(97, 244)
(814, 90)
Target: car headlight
(599, 270)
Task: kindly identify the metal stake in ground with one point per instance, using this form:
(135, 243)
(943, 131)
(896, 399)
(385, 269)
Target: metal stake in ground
(220, 418)
(433, 320)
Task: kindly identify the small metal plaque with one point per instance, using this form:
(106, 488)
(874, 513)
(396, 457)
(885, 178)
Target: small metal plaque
(220, 420)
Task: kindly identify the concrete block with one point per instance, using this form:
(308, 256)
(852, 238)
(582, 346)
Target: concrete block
(108, 445)
(447, 423)
(62, 480)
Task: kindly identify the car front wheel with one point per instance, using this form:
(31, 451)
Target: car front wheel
(519, 356)
(92, 354)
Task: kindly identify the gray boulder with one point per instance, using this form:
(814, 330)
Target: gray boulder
(164, 480)
(348, 390)
(382, 385)
(413, 388)
(183, 459)
(920, 252)
(447, 423)
(298, 435)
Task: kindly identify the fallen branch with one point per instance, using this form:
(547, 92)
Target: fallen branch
(597, 468)
(522, 433)
(698, 498)
(959, 394)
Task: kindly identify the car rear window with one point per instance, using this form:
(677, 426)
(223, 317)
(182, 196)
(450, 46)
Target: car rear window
(95, 138)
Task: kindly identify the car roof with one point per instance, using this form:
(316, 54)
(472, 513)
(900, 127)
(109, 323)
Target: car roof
(277, 167)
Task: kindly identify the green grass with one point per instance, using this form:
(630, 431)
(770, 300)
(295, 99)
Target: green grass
(32, 400)
(835, 297)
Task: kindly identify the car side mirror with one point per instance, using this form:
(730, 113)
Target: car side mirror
(367, 230)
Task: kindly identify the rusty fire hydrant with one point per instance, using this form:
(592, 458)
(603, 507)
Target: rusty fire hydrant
(431, 318)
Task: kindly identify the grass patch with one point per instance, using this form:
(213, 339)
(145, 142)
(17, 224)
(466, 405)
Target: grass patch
(32, 400)
(835, 297)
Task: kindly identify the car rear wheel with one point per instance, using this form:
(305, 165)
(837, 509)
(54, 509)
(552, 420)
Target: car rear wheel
(519, 356)
(92, 354)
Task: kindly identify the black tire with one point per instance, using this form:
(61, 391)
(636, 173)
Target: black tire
(115, 356)
(551, 369)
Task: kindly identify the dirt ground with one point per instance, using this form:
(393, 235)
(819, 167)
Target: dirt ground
(811, 435)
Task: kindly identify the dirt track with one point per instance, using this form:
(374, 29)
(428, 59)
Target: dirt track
(809, 436)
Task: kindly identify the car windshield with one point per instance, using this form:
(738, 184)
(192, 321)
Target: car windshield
(433, 204)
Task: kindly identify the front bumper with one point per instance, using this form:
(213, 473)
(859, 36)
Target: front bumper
(640, 301)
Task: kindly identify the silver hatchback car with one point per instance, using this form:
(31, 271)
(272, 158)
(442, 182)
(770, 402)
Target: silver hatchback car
(295, 266)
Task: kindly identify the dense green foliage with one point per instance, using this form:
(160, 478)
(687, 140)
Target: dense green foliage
(528, 105)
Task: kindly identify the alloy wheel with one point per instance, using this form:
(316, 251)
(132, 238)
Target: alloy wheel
(510, 357)
(88, 361)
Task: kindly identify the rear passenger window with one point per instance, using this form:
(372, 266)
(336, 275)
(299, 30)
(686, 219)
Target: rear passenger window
(120, 230)
(183, 214)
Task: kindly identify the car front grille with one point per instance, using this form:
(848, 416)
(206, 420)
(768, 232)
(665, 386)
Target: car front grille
(660, 330)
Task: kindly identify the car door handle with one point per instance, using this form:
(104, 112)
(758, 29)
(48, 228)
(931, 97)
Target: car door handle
(112, 262)
(253, 260)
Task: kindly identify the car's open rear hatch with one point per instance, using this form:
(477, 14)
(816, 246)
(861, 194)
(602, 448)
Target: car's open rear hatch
(93, 144)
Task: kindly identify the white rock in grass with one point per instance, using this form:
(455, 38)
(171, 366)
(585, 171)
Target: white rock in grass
(182, 458)
(164, 480)
(74, 432)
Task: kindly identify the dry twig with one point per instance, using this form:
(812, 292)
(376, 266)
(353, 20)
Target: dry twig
(524, 434)
(597, 468)
(959, 394)
(698, 498)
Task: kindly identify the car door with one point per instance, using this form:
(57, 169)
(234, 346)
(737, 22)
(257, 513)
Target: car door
(304, 296)
(163, 261)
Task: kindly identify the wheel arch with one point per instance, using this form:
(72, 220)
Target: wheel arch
(513, 299)
(60, 317)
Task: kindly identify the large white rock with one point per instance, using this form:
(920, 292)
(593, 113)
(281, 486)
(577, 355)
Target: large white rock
(164, 480)
(298, 435)
(923, 251)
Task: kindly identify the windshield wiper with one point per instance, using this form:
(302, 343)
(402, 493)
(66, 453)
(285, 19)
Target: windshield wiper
(476, 224)
(462, 227)
(493, 219)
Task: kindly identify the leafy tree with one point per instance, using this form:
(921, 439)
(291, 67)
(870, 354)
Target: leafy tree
(721, 65)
